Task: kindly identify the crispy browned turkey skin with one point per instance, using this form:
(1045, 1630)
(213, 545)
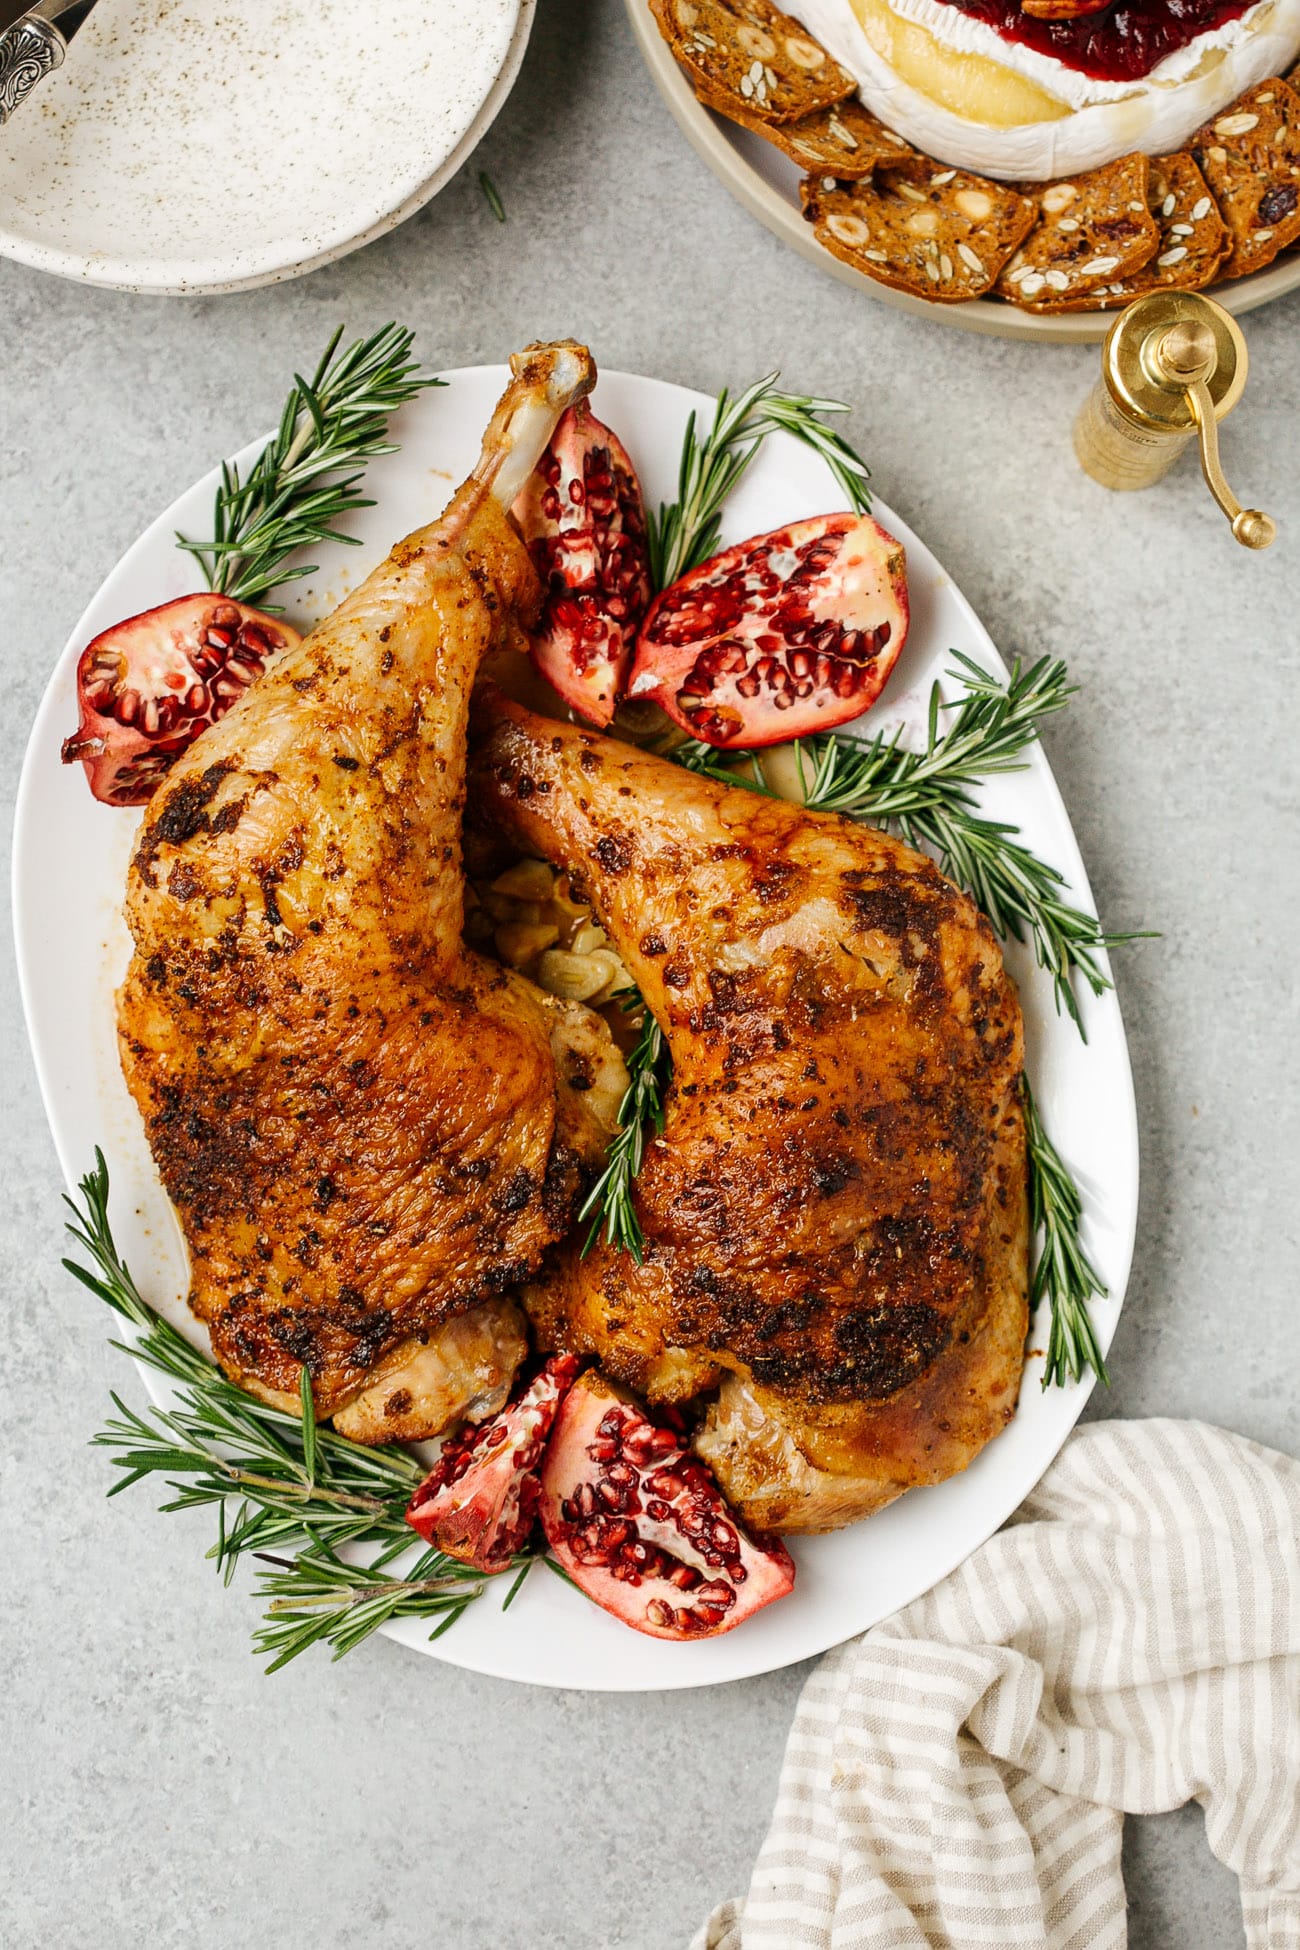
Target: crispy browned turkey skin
(362, 1125)
(835, 1216)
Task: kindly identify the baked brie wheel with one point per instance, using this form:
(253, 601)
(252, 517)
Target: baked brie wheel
(1025, 90)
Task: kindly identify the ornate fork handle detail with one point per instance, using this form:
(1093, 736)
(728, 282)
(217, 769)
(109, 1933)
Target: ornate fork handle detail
(29, 50)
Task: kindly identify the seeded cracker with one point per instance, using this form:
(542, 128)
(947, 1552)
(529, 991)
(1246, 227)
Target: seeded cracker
(747, 56)
(1192, 242)
(845, 140)
(1250, 157)
(939, 233)
(1092, 230)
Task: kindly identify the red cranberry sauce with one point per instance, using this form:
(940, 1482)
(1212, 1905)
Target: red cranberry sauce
(1122, 43)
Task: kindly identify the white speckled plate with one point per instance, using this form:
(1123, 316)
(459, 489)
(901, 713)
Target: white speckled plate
(212, 145)
(767, 183)
(70, 859)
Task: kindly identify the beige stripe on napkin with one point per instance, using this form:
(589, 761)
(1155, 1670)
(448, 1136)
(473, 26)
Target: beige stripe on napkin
(1130, 1641)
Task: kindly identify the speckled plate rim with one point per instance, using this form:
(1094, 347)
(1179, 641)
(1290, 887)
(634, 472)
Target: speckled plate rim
(137, 276)
(724, 148)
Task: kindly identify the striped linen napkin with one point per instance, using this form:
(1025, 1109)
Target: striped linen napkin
(1130, 1641)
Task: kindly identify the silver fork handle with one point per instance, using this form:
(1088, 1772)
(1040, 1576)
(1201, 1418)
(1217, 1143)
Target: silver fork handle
(29, 50)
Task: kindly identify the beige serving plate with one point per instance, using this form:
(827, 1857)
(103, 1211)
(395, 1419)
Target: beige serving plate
(767, 183)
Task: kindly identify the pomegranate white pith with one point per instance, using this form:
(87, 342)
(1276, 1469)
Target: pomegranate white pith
(781, 636)
(642, 1527)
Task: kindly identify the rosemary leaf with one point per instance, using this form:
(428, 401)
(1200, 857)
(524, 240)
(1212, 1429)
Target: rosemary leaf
(492, 196)
(308, 476)
(517, 1586)
(308, 1423)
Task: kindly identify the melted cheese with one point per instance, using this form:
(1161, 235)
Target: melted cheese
(958, 91)
(958, 77)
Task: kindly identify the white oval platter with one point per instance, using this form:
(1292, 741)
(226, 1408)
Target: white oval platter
(767, 183)
(70, 857)
(190, 146)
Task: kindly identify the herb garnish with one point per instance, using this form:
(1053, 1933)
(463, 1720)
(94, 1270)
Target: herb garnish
(277, 1483)
(1062, 1270)
(308, 476)
(640, 1114)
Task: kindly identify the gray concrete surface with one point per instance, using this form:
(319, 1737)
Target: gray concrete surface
(154, 1788)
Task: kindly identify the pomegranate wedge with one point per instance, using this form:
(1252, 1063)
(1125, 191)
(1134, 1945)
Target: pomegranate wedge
(642, 1527)
(779, 637)
(479, 1501)
(581, 515)
(148, 686)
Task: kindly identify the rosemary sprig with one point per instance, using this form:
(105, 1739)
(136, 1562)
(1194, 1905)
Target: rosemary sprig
(1062, 1270)
(928, 797)
(686, 531)
(308, 476)
(276, 1483)
(641, 1112)
(315, 1598)
(492, 196)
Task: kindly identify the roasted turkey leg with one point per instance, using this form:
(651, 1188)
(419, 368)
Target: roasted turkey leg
(359, 1122)
(835, 1215)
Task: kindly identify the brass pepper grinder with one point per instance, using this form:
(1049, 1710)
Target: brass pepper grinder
(1173, 365)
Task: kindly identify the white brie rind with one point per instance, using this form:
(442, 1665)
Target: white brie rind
(1102, 119)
